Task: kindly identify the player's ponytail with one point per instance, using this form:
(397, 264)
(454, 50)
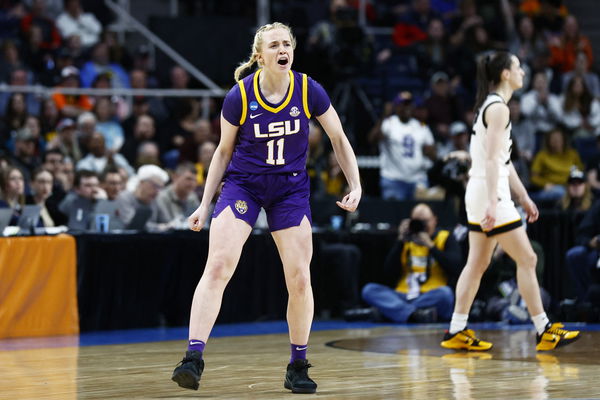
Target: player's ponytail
(257, 45)
(243, 66)
(489, 73)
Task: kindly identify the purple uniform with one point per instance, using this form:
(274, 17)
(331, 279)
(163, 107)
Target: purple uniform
(268, 165)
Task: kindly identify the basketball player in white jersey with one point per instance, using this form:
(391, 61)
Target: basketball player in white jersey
(491, 212)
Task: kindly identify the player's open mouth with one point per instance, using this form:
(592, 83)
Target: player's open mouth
(282, 61)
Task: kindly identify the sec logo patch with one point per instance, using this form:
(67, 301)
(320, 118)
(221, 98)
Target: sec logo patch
(241, 206)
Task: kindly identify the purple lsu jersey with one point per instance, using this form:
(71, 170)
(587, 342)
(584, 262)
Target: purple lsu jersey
(273, 138)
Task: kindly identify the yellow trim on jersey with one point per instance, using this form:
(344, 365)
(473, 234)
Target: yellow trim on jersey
(263, 104)
(497, 226)
(244, 102)
(305, 95)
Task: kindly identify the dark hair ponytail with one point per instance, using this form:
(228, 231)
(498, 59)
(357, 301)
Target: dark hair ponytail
(489, 71)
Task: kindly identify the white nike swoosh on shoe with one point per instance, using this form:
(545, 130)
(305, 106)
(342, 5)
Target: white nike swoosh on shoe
(301, 348)
(255, 115)
(193, 343)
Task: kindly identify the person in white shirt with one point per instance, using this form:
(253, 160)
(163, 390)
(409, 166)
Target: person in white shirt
(406, 149)
(540, 106)
(74, 22)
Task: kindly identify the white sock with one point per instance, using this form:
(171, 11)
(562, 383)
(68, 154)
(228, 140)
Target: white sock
(540, 321)
(458, 322)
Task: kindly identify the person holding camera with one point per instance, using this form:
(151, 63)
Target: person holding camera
(421, 263)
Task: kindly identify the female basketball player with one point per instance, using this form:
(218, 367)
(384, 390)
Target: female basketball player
(491, 213)
(262, 154)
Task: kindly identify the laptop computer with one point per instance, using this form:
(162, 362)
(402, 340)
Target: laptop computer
(140, 218)
(110, 208)
(29, 218)
(5, 217)
(80, 214)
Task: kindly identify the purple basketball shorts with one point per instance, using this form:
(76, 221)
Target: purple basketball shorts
(285, 198)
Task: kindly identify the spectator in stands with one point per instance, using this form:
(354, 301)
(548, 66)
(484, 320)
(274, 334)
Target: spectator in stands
(86, 126)
(117, 52)
(205, 155)
(582, 69)
(525, 41)
(424, 258)
(143, 130)
(582, 260)
(53, 162)
(179, 199)
(100, 64)
(51, 74)
(564, 49)
(181, 126)
(120, 104)
(112, 182)
(73, 21)
(580, 110)
(551, 167)
(41, 190)
(443, 107)
(20, 77)
(406, 148)
(523, 131)
(148, 183)
(578, 197)
(540, 106)
(433, 53)
(458, 139)
(66, 140)
(50, 37)
(24, 156)
(148, 153)
(99, 157)
(10, 18)
(593, 170)
(108, 125)
(155, 105)
(332, 178)
(71, 105)
(10, 60)
(15, 115)
(86, 191)
(67, 176)
(12, 191)
(202, 132)
(49, 118)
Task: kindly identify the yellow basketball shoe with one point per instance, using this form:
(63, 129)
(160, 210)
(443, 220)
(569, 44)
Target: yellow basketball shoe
(464, 340)
(555, 336)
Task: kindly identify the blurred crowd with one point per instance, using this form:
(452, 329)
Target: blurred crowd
(414, 61)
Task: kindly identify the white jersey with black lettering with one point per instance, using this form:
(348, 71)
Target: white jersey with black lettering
(478, 141)
(476, 196)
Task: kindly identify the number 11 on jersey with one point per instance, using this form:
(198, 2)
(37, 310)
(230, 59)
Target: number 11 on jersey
(271, 152)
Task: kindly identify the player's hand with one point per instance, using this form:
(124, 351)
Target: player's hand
(350, 201)
(530, 209)
(489, 220)
(198, 218)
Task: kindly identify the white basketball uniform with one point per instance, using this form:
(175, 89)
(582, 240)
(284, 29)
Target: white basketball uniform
(507, 216)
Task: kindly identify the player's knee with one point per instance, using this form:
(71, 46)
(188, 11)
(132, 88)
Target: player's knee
(300, 282)
(528, 260)
(219, 269)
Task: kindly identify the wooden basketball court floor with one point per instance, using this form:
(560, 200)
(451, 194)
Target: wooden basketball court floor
(351, 361)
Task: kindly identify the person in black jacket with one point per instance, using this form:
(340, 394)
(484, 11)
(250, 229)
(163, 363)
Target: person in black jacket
(421, 263)
(582, 260)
